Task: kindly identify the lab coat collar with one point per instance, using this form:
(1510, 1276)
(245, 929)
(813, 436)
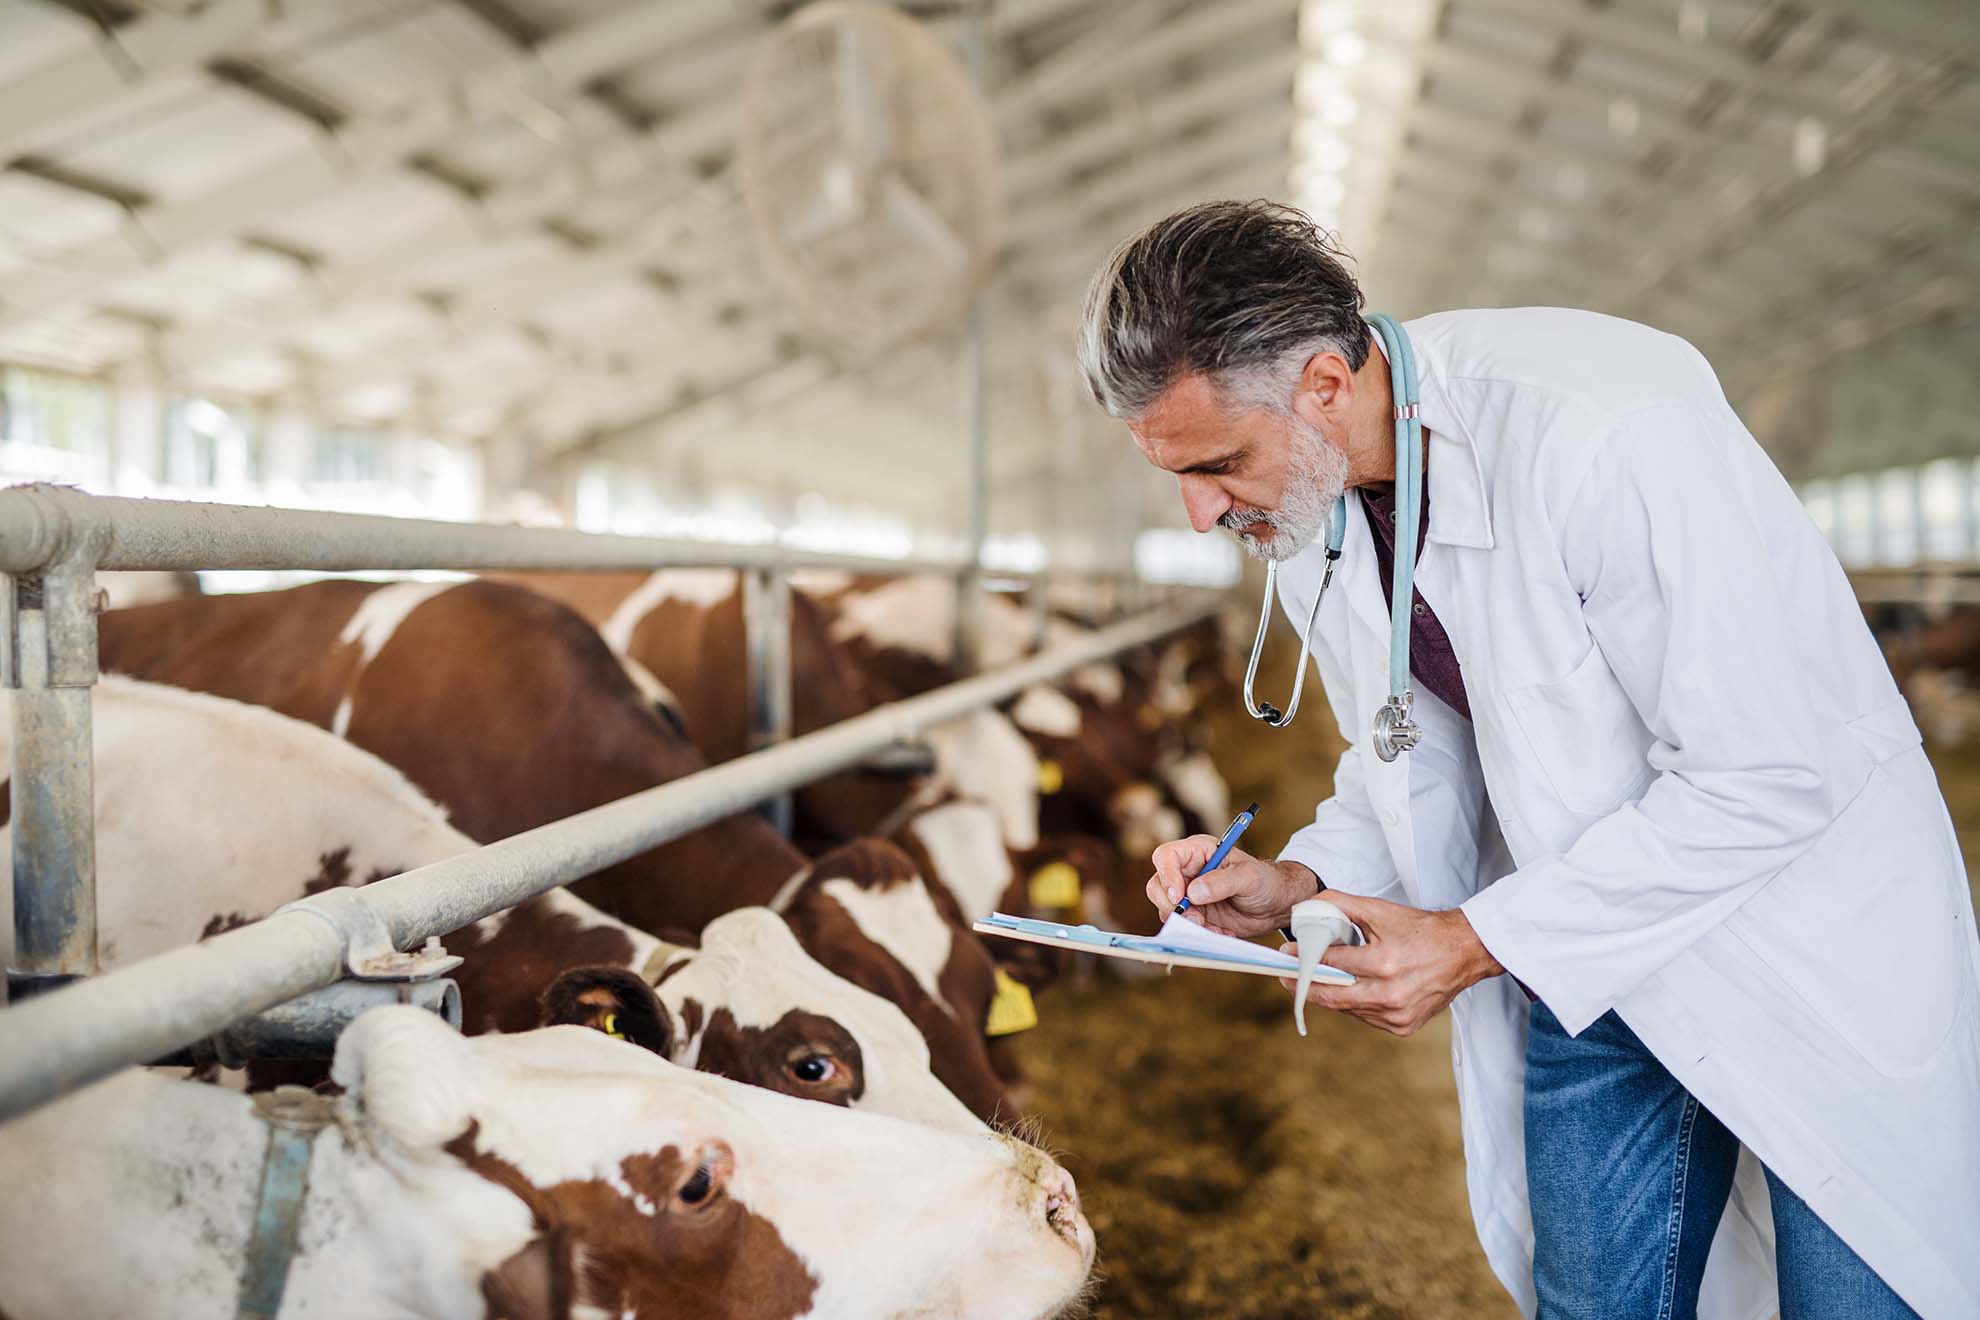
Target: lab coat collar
(1460, 513)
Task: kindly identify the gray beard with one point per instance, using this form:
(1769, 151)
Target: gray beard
(1318, 476)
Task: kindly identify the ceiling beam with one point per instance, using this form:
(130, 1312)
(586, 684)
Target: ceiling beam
(1127, 130)
(511, 210)
(357, 149)
(1195, 30)
(1244, 140)
(1855, 332)
(1888, 115)
(121, 62)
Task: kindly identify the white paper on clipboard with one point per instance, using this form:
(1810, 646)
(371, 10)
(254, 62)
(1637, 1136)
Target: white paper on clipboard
(1180, 943)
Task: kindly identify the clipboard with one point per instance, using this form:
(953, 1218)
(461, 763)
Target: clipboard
(1206, 949)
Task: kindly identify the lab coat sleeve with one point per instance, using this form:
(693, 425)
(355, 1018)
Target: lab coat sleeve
(1344, 844)
(1664, 541)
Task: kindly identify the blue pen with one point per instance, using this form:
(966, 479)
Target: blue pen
(1224, 846)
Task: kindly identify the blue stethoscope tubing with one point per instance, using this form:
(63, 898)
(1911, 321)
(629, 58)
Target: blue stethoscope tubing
(1394, 731)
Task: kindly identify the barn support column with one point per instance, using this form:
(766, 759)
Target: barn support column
(767, 622)
(976, 410)
(50, 665)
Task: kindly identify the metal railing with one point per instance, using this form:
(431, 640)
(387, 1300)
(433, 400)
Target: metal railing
(53, 541)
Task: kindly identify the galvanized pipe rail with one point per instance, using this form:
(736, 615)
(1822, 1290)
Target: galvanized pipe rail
(41, 526)
(53, 541)
(72, 1036)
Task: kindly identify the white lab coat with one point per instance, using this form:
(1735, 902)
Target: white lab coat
(1690, 793)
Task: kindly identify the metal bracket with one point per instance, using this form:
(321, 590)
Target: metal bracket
(369, 954)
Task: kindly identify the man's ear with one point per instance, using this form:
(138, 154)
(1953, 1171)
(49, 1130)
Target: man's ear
(1326, 387)
(536, 1283)
(614, 1001)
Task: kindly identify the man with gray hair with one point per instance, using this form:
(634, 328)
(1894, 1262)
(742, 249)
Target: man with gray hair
(1669, 847)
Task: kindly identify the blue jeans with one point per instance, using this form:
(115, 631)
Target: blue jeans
(1629, 1175)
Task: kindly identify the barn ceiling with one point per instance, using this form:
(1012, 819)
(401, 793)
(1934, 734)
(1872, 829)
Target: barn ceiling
(517, 221)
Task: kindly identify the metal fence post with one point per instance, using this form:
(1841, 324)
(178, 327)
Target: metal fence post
(1041, 610)
(767, 623)
(51, 650)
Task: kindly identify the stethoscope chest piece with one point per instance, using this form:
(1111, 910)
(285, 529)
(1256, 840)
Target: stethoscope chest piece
(1395, 732)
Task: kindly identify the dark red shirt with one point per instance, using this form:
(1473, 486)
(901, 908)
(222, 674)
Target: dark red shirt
(1432, 662)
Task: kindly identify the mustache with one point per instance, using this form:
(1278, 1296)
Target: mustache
(1238, 519)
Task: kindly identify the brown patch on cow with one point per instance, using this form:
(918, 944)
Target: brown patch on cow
(333, 871)
(504, 976)
(612, 1000)
(6, 817)
(692, 1018)
(677, 1245)
(219, 925)
(278, 649)
(685, 644)
(784, 1056)
(869, 863)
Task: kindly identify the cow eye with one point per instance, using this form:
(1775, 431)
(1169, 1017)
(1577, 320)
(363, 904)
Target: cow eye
(814, 1068)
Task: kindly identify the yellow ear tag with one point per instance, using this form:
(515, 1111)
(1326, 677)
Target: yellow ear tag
(1012, 1010)
(610, 1026)
(1055, 885)
(1051, 777)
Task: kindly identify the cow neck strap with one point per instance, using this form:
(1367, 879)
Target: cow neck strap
(294, 1117)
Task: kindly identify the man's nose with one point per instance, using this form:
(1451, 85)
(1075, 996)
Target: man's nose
(1202, 500)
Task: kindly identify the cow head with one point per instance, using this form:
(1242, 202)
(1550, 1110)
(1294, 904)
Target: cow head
(983, 756)
(752, 1005)
(865, 912)
(560, 1174)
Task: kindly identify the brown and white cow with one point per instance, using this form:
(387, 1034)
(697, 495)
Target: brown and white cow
(687, 628)
(212, 813)
(508, 709)
(552, 1174)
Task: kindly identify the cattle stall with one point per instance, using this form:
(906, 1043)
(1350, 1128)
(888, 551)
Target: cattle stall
(56, 540)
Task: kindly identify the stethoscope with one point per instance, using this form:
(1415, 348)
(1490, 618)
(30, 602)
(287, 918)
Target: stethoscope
(1394, 732)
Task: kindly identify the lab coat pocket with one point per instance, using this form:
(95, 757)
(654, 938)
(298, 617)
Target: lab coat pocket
(1867, 928)
(1585, 736)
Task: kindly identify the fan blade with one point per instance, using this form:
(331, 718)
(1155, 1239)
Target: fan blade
(865, 132)
(910, 211)
(833, 205)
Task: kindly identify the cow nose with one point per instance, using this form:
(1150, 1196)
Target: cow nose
(1062, 1210)
(1061, 1194)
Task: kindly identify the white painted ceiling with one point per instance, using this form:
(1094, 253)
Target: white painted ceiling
(515, 222)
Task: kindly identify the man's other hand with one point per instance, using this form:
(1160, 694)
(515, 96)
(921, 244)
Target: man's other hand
(1245, 896)
(1414, 964)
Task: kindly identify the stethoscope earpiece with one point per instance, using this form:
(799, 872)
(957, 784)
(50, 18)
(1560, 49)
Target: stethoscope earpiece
(1394, 731)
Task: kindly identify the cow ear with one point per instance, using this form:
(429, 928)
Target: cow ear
(614, 1001)
(534, 1284)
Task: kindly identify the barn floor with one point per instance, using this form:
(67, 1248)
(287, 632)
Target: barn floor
(1234, 1171)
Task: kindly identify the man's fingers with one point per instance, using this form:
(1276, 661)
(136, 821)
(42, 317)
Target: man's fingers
(1366, 913)
(1365, 962)
(1220, 884)
(1355, 999)
(1177, 861)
